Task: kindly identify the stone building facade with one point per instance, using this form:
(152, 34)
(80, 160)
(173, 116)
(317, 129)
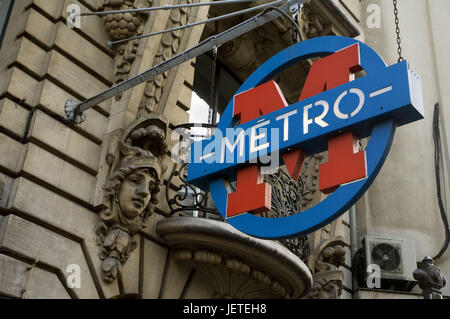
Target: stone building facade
(68, 203)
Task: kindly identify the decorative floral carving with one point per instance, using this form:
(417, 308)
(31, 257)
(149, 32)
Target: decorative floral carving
(130, 192)
(326, 286)
(124, 25)
(313, 25)
(310, 179)
(242, 53)
(169, 45)
(331, 258)
(299, 246)
(126, 54)
(121, 26)
(327, 277)
(237, 279)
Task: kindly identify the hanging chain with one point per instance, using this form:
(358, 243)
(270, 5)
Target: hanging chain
(397, 31)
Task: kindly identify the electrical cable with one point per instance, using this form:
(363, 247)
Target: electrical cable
(437, 166)
(292, 21)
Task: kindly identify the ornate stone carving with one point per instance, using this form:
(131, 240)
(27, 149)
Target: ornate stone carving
(124, 25)
(313, 25)
(326, 285)
(327, 278)
(310, 179)
(130, 192)
(168, 47)
(299, 246)
(237, 279)
(234, 264)
(242, 53)
(331, 257)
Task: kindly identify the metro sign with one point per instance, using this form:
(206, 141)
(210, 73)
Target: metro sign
(332, 113)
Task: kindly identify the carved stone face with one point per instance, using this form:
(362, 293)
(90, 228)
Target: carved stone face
(135, 192)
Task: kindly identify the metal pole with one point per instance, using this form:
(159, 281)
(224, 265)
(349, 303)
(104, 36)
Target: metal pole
(74, 110)
(225, 16)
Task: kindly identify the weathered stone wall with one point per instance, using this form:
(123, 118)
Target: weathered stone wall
(52, 174)
(49, 168)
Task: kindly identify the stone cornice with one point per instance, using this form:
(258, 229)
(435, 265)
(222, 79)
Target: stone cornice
(266, 257)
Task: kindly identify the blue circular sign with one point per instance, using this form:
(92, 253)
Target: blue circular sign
(346, 195)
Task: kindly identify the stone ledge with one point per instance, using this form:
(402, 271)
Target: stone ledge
(25, 239)
(384, 294)
(42, 285)
(220, 238)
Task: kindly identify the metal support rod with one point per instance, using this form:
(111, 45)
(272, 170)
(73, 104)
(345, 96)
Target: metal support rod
(74, 111)
(165, 7)
(225, 16)
(30, 273)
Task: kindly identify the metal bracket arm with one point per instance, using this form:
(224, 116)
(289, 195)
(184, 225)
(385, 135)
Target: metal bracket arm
(74, 111)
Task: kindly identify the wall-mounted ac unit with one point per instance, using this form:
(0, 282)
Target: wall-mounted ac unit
(396, 257)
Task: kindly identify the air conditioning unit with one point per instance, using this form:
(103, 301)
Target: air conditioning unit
(395, 257)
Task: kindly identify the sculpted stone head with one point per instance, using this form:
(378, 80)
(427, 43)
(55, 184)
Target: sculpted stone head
(130, 192)
(135, 192)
